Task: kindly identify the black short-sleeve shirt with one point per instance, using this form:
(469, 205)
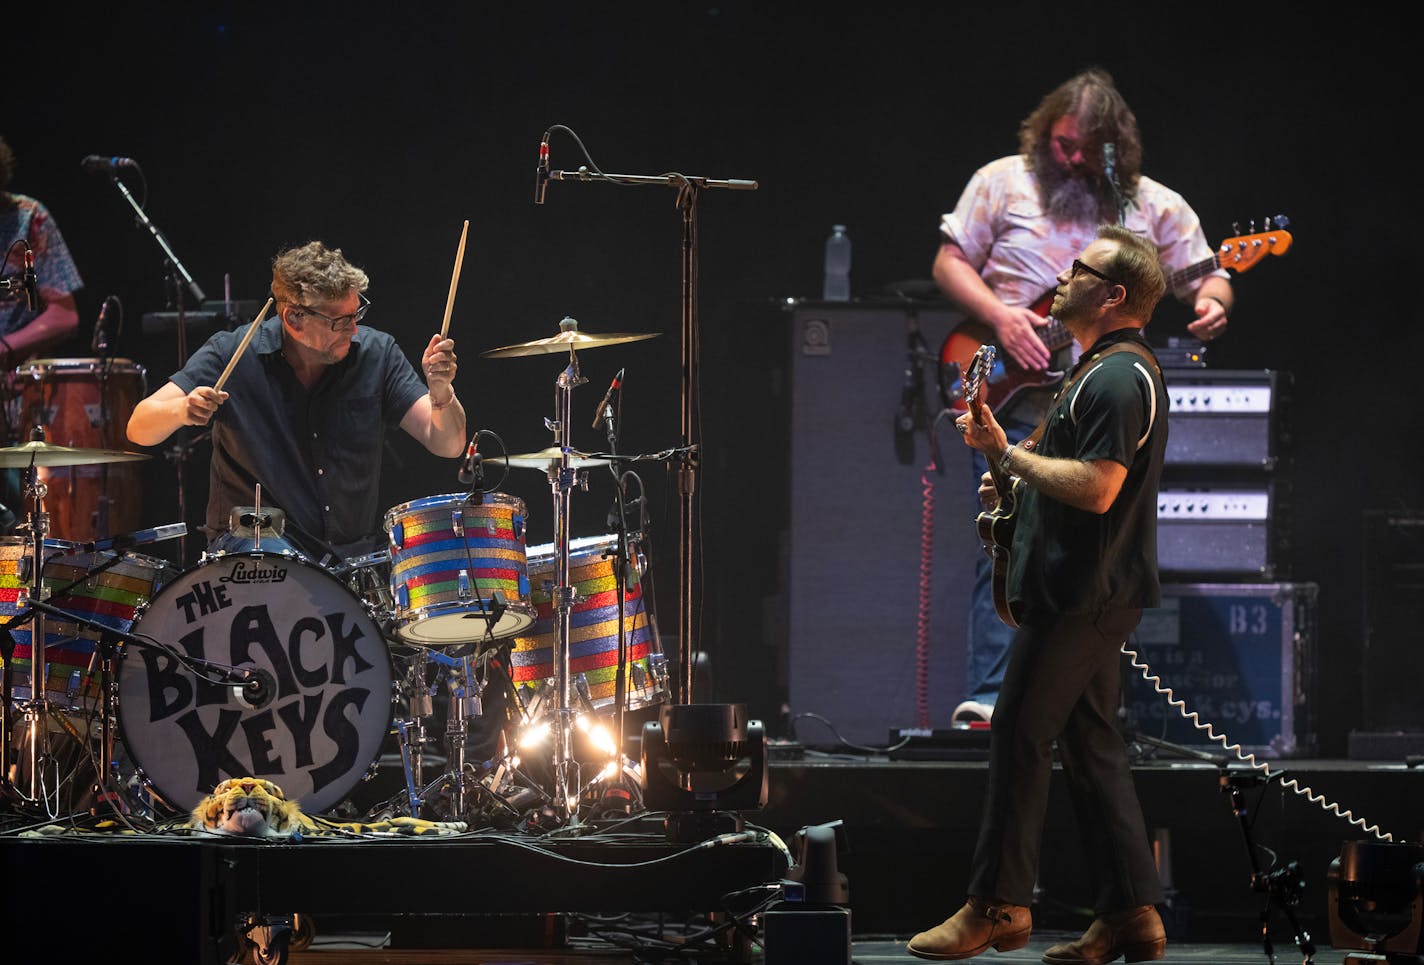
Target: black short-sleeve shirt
(1067, 560)
(316, 453)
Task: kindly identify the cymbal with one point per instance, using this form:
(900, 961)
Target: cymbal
(546, 457)
(43, 454)
(569, 339)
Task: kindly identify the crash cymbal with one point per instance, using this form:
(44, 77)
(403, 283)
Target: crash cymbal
(543, 459)
(44, 454)
(568, 339)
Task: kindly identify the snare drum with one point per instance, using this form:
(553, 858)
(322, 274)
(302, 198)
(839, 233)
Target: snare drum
(104, 588)
(85, 404)
(449, 556)
(322, 706)
(593, 629)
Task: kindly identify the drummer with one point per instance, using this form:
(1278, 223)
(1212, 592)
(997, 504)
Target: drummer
(304, 410)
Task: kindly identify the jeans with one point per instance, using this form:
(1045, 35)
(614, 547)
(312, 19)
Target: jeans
(987, 638)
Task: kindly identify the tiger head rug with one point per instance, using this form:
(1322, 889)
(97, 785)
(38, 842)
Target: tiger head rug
(254, 807)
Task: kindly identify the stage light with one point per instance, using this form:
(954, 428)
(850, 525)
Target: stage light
(534, 736)
(1376, 901)
(702, 763)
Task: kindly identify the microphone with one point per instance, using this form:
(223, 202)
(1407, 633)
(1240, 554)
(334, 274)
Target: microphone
(98, 164)
(905, 413)
(541, 173)
(27, 280)
(616, 384)
(1110, 161)
(257, 690)
(136, 538)
(470, 466)
(100, 341)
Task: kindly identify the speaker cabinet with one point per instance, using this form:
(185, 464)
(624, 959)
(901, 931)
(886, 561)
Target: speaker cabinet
(866, 530)
(1393, 677)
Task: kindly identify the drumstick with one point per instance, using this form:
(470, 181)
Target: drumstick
(242, 347)
(454, 279)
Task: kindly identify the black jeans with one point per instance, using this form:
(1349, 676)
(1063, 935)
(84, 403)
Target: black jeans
(1062, 685)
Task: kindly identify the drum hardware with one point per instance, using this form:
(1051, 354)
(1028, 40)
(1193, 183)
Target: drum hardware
(569, 339)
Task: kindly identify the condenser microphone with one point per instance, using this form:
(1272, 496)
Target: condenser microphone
(29, 283)
(541, 173)
(98, 164)
(100, 341)
(470, 465)
(1110, 161)
(613, 386)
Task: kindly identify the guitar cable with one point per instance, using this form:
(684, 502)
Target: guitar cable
(1244, 756)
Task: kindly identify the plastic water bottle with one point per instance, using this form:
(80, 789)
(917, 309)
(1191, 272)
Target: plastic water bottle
(837, 286)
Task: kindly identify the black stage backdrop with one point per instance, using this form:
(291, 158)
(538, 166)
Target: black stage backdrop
(381, 128)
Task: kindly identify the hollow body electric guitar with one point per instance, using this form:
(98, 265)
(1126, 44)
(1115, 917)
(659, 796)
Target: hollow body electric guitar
(995, 526)
(1007, 379)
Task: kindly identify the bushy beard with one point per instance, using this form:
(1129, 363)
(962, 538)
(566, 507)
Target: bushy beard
(1075, 196)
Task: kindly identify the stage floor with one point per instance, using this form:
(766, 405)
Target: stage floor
(905, 833)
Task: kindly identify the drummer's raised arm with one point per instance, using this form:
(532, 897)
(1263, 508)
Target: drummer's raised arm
(169, 408)
(437, 419)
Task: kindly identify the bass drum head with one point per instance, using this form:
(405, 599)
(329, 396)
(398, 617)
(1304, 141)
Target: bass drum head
(317, 654)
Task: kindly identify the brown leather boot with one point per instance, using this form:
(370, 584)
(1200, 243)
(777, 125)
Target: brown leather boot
(975, 928)
(1136, 934)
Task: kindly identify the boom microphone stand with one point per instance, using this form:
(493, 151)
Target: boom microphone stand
(688, 190)
(178, 280)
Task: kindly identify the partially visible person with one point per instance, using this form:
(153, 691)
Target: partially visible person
(305, 410)
(1082, 567)
(1019, 220)
(28, 332)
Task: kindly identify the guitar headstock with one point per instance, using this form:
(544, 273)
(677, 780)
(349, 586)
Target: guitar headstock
(978, 372)
(1243, 251)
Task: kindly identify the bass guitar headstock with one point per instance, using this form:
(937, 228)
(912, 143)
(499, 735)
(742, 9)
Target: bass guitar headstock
(1242, 252)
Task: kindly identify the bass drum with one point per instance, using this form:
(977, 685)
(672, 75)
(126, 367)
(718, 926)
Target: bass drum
(320, 707)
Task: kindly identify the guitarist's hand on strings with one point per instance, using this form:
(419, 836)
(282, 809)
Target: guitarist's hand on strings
(1017, 330)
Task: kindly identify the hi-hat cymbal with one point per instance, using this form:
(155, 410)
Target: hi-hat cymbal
(547, 457)
(44, 454)
(568, 339)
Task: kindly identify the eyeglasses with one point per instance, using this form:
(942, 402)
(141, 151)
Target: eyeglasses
(1079, 266)
(341, 322)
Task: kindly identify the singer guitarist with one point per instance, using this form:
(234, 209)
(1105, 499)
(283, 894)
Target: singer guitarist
(1019, 220)
(1083, 565)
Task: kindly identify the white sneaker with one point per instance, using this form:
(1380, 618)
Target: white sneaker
(971, 711)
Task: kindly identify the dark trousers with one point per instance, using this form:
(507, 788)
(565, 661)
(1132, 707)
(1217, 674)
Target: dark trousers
(1062, 685)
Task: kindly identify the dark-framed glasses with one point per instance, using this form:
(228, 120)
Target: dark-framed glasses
(340, 322)
(1079, 266)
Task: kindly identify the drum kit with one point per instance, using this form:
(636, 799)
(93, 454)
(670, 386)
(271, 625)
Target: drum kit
(265, 662)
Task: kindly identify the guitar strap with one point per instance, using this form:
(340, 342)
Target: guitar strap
(1084, 366)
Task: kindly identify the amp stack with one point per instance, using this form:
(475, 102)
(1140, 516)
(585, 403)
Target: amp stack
(1234, 638)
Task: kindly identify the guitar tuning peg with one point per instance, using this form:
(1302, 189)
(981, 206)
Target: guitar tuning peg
(1235, 227)
(1253, 226)
(1282, 222)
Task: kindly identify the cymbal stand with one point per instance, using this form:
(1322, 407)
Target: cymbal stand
(37, 708)
(623, 563)
(562, 478)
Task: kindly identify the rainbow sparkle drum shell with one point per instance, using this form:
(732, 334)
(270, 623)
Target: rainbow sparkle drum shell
(449, 555)
(593, 629)
(104, 588)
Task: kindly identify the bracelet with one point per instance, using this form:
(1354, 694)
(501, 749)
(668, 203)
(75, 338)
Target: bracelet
(435, 406)
(1004, 459)
(1223, 304)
